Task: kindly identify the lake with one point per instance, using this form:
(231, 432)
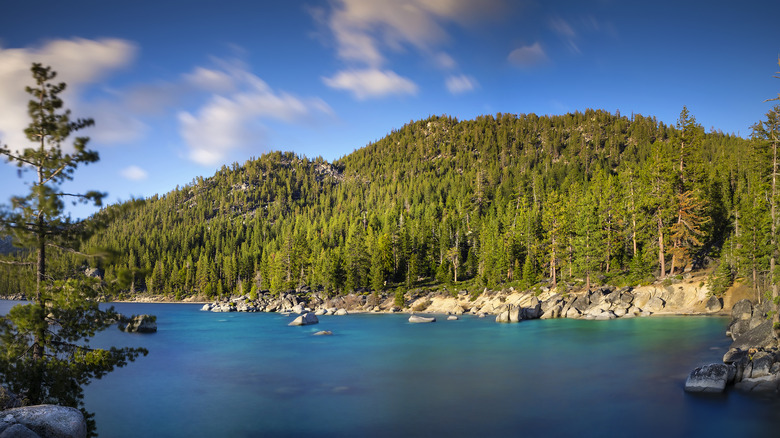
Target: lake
(249, 374)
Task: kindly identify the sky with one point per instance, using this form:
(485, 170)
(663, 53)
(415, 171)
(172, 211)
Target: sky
(180, 88)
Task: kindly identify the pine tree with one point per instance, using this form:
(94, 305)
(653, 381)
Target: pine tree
(686, 232)
(44, 354)
(767, 134)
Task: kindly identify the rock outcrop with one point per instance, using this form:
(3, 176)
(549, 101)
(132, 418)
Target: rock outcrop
(138, 324)
(44, 421)
(307, 318)
(753, 358)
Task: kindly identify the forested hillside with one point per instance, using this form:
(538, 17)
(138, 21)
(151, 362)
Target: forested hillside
(574, 200)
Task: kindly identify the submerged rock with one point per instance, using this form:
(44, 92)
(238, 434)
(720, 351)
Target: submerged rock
(709, 378)
(323, 333)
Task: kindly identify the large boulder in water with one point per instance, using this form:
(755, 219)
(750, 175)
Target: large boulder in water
(307, 318)
(46, 421)
(139, 324)
(709, 378)
(417, 319)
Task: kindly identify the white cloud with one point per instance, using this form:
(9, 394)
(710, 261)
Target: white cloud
(134, 173)
(78, 62)
(211, 80)
(364, 30)
(528, 56)
(369, 83)
(461, 84)
(233, 121)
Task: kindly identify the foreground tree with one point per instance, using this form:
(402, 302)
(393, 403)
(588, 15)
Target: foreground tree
(45, 354)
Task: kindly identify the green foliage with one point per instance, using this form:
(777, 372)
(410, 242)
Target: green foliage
(499, 200)
(45, 354)
(399, 300)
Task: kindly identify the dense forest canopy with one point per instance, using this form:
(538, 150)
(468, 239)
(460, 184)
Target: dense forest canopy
(573, 200)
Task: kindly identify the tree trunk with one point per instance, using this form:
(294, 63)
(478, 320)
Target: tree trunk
(661, 257)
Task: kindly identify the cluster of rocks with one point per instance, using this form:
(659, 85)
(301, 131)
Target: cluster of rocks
(292, 303)
(138, 324)
(42, 421)
(508, 305)
(600, 304)
(752, 362)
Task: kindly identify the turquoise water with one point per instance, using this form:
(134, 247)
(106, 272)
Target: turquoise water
(246, 375)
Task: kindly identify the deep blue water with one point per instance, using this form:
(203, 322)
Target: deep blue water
(246, 375)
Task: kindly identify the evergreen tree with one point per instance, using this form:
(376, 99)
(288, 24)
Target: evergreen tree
(44, 355)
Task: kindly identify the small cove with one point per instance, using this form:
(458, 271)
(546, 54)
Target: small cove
(244, 375)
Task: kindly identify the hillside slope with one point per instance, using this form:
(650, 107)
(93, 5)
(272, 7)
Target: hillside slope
(506, 200)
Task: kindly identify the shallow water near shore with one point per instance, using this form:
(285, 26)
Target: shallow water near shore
(249, 374)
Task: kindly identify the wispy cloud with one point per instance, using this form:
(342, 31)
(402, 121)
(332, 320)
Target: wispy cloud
(461, 84)
(78, 62)
(528, 56)
(365, 31)
(368, 83)
(233, 121)
(134, 173)
(566, 32)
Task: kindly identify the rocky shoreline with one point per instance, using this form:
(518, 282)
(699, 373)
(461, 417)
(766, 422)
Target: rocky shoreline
(752, 362)
(509, 305)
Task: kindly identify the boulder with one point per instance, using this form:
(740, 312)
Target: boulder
(734, 355)
(206, 307)
(323, 333)
(762, 363)
(139, 324)
(714, 304)
(759, 384)
(307, 318)
(709, 378)
(49, 421)
(605, 315)
(297, 309)
(551, 302)
(743, 309)
(534, 311)
(581, 304)
(18, 431)
(416, 319)
(452, 318)
(341, 312)
(761, 336)
(573, 312)
(655, 304)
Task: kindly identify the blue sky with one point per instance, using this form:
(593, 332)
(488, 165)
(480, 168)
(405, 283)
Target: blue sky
(180, 88)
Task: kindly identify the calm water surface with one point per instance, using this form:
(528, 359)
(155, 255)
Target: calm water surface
(246, 375)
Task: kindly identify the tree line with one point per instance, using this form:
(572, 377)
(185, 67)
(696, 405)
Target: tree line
(573, 200)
